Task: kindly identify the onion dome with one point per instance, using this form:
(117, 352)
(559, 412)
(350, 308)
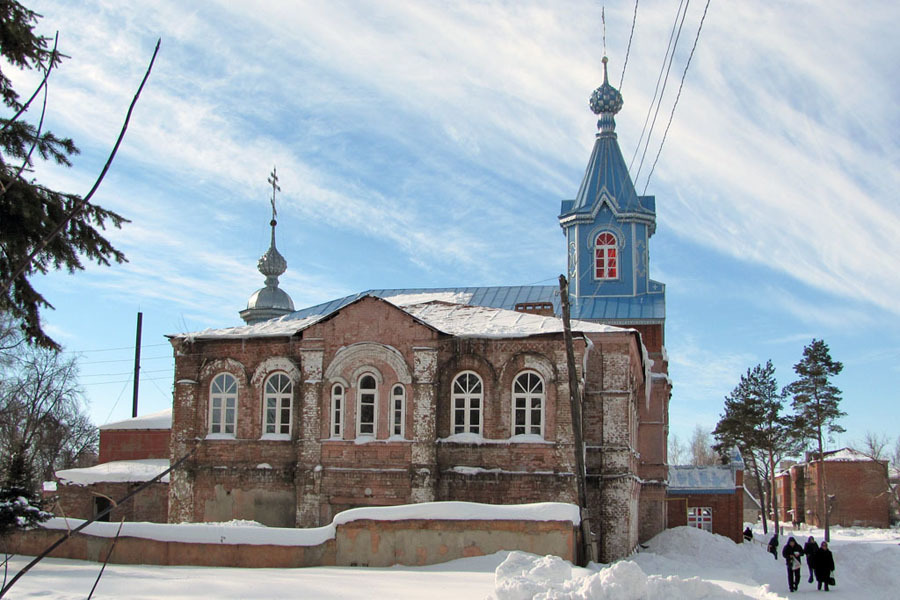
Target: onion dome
(270, 301)
(606, 101)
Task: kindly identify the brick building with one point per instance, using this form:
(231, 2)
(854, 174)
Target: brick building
(410, 395)
(709, 497)
(132, 452)
(856, 485)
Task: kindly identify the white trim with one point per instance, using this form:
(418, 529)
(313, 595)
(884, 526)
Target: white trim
(402, 410)
(528, 395)
(338, 422)
(279, 397)
(359, 400)
(221, 396)
(466, 397)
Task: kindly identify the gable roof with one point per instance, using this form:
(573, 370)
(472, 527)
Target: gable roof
(712, 479)
(460, 320)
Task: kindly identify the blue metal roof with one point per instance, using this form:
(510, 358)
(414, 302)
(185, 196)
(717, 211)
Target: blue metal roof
(644, 308)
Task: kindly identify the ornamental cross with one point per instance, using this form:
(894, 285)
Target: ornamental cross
(273, 181)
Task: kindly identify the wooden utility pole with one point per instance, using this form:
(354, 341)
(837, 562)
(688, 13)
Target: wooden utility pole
(137, 367)
(577, 430)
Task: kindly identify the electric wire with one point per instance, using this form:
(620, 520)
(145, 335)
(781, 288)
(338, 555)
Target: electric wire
(628, 48)
(662, 92)
(677, 96)
(656, 90)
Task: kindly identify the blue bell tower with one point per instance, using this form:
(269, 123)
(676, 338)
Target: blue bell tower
(608, 228)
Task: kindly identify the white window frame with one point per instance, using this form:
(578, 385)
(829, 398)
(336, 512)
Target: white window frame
(362, 395)
(700, 517)
(280, 396)
(223, 390)
(528, 387)
(462, 397)
(602, 257)
(338, 407)
(398, 411)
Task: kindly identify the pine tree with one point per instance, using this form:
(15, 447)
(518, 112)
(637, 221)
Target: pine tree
(815, 405)
(753, 421)
(29, 211)
(20, 506)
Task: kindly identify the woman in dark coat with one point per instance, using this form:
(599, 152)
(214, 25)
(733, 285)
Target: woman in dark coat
(772, 548)
(793, 557)
(824, 566)
(809, 549)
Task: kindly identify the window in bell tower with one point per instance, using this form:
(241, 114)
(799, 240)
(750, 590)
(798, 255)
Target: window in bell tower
(606, 257)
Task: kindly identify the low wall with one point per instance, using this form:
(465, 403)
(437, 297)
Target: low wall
(359, 542)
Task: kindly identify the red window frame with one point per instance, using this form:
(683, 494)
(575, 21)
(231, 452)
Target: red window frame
(606, 256)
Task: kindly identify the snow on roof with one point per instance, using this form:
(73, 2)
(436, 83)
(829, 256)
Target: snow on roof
(280, 327)
(846, 455)
(465, 511)
(157, 420)
(701, 478)
(460, 320)
(420, 298)
(242, 533)
(481, 321)
(117, 471)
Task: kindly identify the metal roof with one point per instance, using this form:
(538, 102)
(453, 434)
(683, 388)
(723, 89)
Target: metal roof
(647, 308)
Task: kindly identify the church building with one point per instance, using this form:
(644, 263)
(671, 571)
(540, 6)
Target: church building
(396, 396)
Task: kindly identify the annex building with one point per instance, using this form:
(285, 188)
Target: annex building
(397, 396)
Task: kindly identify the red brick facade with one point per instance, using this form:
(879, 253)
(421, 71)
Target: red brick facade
(308, 476)
(727, 509)
(859, 488)
(133, 444)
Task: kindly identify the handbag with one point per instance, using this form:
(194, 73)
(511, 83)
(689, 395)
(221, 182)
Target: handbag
(831, 580)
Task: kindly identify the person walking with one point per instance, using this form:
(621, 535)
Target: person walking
(824, 567)
(809, 549)
(748, 535)
(792, 553)
(772, 548)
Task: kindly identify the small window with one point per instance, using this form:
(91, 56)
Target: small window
(368, 395)
(337, 411)
(223, 395)
(700, 517)
(466, 399)
(278, 396)
(398, 410)
(606, 261)
(528, 404)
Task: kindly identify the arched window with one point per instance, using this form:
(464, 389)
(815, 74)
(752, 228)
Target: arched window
(398, 410)
(606, 258)
(223, 395)
(337, 411)
(466, 399)
(277, 401)
(528, 404)
(367, 393)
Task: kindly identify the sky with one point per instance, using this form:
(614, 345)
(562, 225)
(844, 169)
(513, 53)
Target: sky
(429, 144)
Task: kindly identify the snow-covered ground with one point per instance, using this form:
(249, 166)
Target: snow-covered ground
(680, 563)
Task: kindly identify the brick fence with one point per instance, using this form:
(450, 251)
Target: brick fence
(362, 542)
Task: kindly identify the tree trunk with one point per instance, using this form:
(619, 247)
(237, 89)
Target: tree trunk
(772, 491)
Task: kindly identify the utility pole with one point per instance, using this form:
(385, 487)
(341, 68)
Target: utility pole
(575, 404)
(137, 367)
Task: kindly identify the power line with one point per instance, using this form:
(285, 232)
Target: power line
(120, 374)
(662, 93)
(115, 360)
(628, 49)
(114, 349)
(656, 90)
(672, 114)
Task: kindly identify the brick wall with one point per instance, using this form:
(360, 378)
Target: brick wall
(363, 542)
(133, 444)
(727, 512)
(80, 501)
(859, 489)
